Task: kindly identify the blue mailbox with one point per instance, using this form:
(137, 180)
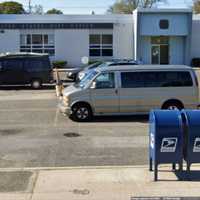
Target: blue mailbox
(191, 150)
(165, 139)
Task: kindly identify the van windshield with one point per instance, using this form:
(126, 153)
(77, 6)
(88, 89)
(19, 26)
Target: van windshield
(85, 81)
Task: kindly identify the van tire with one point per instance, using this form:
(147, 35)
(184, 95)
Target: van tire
(36, 84)
(81, 112)
(172, 105)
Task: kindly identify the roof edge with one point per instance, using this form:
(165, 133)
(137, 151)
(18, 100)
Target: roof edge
(164, 10)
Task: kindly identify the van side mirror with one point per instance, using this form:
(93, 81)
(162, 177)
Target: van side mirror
(93, 85)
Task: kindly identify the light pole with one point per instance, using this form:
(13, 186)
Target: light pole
(29, 6)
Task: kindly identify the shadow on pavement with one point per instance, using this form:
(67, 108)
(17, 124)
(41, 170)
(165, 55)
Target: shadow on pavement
(132, 118)
(193, 176)
(188, 176)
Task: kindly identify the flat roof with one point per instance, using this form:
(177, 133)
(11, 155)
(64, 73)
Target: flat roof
(144, 67)
(164, 10)
(51, 18)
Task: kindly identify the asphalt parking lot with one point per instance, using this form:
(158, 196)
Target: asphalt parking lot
(34, 134)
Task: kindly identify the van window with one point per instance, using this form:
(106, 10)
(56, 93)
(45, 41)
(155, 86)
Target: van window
(105, 81)
(1, 65)
(13, 65)
(156, 79)
(35, 65)
(86, 80)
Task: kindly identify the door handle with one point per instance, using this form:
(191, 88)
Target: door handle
(116, 91)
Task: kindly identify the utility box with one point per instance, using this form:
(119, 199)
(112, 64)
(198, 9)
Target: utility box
(191, 120)
(165, 139)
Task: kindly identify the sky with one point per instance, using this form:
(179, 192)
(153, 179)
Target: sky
(87, 6)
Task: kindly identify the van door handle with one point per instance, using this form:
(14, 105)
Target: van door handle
(116, 91)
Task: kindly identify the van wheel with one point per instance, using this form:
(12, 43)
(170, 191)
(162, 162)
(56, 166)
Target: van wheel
(81, 113)
(173, 105)
(36, 84)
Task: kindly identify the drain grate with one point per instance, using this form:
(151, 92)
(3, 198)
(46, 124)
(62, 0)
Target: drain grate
(72, 134)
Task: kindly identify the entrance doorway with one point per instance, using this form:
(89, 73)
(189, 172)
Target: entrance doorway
(160, 50)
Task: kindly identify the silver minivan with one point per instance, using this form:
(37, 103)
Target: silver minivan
(126, 90)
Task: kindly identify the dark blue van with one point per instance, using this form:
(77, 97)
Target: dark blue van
(25, 68)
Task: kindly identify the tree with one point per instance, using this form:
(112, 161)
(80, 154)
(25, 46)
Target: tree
(196, 6)
(54, 11)
(37, 9)
(11, 7)
(127, 6)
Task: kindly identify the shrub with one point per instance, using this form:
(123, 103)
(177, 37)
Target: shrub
(93, 61)
(195, 62)
(59, 64)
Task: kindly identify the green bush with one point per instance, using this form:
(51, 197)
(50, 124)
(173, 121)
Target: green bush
(94, 61)
(59, 64)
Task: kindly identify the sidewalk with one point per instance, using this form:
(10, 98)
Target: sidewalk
(103, 183)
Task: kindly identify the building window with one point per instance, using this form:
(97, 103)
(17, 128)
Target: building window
(101, 45)
(37, 43)
(164, 24)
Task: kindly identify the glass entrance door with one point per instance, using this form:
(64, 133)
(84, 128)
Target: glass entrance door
(159, 50)
(164, 54)
(155, 54)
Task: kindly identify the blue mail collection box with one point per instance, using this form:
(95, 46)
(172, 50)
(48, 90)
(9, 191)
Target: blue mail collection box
(191, 151)
(165, 139)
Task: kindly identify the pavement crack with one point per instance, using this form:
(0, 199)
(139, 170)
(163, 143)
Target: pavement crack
(34, 184)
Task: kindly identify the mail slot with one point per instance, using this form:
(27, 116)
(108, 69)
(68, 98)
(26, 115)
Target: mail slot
(191, 150)
(165, 139)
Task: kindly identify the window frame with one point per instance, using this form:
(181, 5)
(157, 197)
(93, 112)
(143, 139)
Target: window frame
(101, 47)
(27, 45)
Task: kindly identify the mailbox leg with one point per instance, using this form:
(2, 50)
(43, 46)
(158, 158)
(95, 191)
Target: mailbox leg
(181, 166)
(188, 167)
(150, 164)
(156, 172)
(174, 166)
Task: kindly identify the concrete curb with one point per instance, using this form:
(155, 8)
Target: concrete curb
(72, 168)
(86, 167)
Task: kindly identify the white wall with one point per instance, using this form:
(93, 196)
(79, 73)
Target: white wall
(195, 43)
(71, 45)
(135, 34)
(9, 41)
(123, 36)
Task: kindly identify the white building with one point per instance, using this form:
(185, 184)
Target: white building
(153, 36)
